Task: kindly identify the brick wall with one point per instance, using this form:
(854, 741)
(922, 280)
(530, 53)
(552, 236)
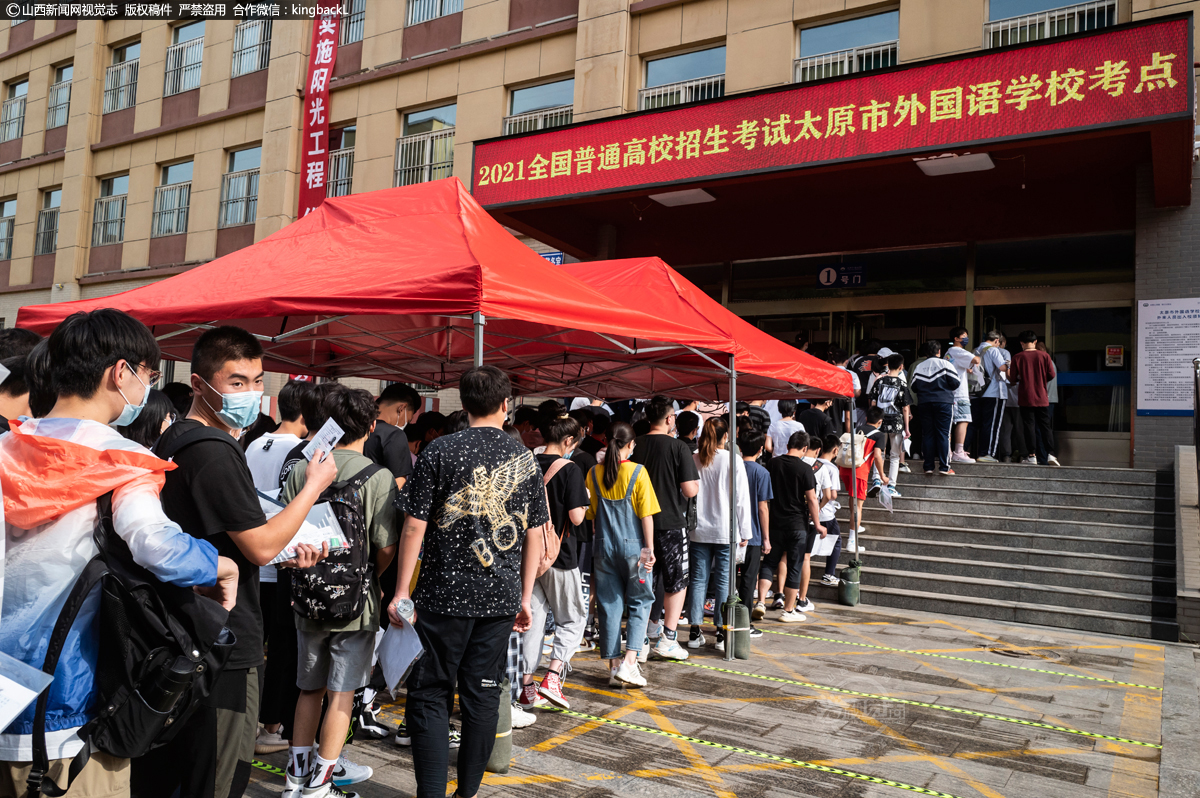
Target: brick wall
(1168, 267)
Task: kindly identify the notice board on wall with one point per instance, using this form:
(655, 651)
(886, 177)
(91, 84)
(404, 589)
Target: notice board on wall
(1168, 341)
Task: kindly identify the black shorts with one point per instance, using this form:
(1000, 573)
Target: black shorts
(671, 558)
(795, 543)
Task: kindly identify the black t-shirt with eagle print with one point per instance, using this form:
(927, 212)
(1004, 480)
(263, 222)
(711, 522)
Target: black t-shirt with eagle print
(479, 491)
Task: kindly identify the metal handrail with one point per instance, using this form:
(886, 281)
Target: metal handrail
(354, 17)
(239, 198)
(844, 62)
(424, 157)
(539, 120)
(46, 240)
(424, 10)
(12, 119)
(120, 86)
(59, 103)
(184, 61)
(251, 46)
(171, 205)
(684, 91)
(1048, 24)
(108, 221)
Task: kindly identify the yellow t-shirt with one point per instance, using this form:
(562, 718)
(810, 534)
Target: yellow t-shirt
(644, 501)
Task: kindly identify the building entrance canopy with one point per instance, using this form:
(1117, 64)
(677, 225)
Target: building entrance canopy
(417, 284)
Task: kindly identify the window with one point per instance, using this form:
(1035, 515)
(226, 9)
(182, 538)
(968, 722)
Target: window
(59, 100)
(12, 113)
(251, 46)
(354, 16)
(8, 219)
(854, 45)
(539, 107)
(47, 223)
(108, 220)
(426, 150)
(341, 161)
(684, 78)
(184, 58)
(120, 81)
(172, 199)
(424, 10)
(1016, 21)
(239, 188)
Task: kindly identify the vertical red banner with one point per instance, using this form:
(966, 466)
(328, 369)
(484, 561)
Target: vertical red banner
(314, 146)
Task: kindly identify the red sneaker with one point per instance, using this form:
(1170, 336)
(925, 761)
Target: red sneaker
(530, 698)
(551, 689)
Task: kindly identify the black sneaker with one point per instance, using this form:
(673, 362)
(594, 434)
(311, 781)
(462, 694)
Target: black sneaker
(777, 604)
(755, 632)
(367, 725)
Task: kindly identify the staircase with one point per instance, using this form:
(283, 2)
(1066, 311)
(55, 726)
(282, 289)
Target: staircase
(1090, 549)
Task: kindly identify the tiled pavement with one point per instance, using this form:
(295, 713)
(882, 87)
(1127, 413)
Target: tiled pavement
(939, 750)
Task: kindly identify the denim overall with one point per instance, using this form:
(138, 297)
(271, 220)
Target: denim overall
(616, 548)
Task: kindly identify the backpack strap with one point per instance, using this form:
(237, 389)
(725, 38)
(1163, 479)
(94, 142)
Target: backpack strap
(93, 572)
(555, 467)
(358, 480)
(201, 433)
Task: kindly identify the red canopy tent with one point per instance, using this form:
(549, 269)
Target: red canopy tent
(398, 284)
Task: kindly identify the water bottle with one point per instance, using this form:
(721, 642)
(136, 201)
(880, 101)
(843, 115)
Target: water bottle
(163, 694)
(642, 569)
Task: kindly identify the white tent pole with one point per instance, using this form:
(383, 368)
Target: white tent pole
(733, 514)
(478, 319)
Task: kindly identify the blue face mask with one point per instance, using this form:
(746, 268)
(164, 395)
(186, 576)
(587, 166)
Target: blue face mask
(130, 412)
(238, 410)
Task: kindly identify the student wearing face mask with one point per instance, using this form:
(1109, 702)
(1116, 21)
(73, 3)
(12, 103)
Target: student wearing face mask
(211, 495)
(388, 445)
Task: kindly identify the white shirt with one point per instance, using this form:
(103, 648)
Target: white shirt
(265, 456)
(828, 479)
(712, 501)
(780, 431)
(993, 360)
(961, 358)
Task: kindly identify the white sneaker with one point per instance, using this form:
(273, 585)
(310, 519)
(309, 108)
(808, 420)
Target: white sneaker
(669, 649)
(830, 579)
(1052, 460)
(720, 644)
(347, 772)
(654, 630)
(292, 785)
(613, 681)
(644, 654)
(792, 617)
(521, 718)
(904, 469)
(759, 612)
(961, 457)
(1030, 460)
(696, 640)
(630, 675)
(269, 742)
(327, 790)
(987, 459)
(805, 606)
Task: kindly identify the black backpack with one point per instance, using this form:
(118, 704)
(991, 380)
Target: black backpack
(161, 649)
(864, 367)
(335, 589)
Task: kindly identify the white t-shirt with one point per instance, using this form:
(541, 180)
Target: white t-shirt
(265, 457)
(828, 479)
(780, 431)
(961, 358)
(993, 360)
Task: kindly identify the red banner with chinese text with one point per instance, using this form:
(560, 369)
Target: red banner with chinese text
(314, 146)
(1133, 74)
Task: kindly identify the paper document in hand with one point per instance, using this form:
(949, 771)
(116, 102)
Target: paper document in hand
(885, 498)
(398, 652)
(321, 526)
(326, 438)
(20, 685)
(824, 546)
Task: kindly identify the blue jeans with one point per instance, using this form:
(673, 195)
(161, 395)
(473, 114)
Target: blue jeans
(615, 579)
(935, 429)
(704, 560)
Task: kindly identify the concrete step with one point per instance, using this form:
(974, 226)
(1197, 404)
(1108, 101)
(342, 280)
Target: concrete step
(1050, 541)
(979, 478)
(1029, 592)
(1131, 475)
(973, 506)
(919, 518)
(949, 563)
(988, 552)
(1008, 611)
(940, 488)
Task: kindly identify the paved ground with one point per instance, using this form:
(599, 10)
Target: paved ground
(1042, 712)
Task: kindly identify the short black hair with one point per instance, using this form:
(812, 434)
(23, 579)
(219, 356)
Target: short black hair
(14, 384)
(751, 441)
(551, 407)
(874, 414)
(147, 427)
(526, 414)
(455, 422)
(641, 427)
(957, 331)
(657, 409)
(582, 416)
(895, 361)
(1028, 337)
(289, 399)
(483, 390)
(830, 442)
(931, 349)
(39, 377)
(686, 422)
(353, 409)
(741, 407)
(799, 440)
(869, 346)
(836, 356)
(399, 392)
(17, 342)
(312, 405)
(85, 345)
(601, 421)
(787, 407)
(222, 345)
(180, 395)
